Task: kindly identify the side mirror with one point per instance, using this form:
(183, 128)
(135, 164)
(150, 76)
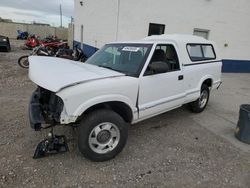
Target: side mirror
(158, 67)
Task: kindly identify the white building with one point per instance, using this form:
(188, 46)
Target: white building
(227, 22)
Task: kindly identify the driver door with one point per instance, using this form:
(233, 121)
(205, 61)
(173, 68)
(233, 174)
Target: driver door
(160, 92)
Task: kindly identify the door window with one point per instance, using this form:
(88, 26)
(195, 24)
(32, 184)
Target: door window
(164, 53)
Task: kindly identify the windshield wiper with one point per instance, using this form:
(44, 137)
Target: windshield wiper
(110, 68)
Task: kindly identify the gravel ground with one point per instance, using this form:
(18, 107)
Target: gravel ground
(170, 150)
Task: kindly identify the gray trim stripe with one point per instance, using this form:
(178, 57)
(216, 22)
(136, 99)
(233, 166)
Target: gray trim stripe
(192, 92)
(177, 98)
(207, 62)
(170, 100)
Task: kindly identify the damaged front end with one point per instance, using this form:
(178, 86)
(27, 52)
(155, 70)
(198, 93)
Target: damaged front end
(45, 108)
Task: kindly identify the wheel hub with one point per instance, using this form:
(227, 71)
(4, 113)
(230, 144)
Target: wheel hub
(203, 99)
(104, 136)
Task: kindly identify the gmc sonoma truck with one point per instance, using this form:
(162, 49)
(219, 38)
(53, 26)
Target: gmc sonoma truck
(121, 84)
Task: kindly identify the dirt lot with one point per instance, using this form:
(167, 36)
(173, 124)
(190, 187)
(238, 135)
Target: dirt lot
(176, 149)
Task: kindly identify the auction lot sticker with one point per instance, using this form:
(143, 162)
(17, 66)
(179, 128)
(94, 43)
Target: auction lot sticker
(131, 49)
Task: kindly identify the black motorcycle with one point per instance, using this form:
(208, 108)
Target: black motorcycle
(76, 55)
(23, 61)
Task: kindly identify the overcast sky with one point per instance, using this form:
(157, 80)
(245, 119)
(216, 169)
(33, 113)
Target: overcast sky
(45, 11)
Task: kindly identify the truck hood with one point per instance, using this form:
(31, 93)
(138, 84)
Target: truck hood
(55, 74)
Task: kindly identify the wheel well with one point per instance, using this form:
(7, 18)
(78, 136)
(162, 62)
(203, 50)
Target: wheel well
(119, 107)
(208, 82)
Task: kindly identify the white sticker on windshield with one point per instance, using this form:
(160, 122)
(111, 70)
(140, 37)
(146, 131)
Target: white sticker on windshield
(131, 49)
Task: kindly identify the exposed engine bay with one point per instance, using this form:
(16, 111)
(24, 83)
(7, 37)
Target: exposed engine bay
(45, 108)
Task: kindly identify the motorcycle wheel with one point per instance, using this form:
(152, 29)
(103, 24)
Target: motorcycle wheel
(23, 62)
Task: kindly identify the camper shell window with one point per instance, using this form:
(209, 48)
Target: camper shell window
(201, 52)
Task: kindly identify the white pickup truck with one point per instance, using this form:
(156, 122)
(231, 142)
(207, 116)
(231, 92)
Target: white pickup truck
(121, 84)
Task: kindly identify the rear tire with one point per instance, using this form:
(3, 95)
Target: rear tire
(200, 104)
(102, 135)
(23, 62)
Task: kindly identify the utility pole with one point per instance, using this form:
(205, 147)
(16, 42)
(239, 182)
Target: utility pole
(61, 14)
(117, 20)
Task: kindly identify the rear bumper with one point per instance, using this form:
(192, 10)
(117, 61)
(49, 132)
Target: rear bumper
(216, 85)
(219, 85)
(35, 112)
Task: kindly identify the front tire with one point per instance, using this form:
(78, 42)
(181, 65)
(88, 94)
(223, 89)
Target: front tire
(200, 104)
(102, 135)
(23, 62)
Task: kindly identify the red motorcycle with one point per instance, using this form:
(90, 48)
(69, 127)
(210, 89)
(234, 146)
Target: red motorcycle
(32, 42)
(50, 42)
(55, 45)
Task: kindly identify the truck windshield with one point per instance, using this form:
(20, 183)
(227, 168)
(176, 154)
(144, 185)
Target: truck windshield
(125, 58)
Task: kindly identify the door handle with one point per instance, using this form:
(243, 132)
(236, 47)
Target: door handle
(180, 77)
